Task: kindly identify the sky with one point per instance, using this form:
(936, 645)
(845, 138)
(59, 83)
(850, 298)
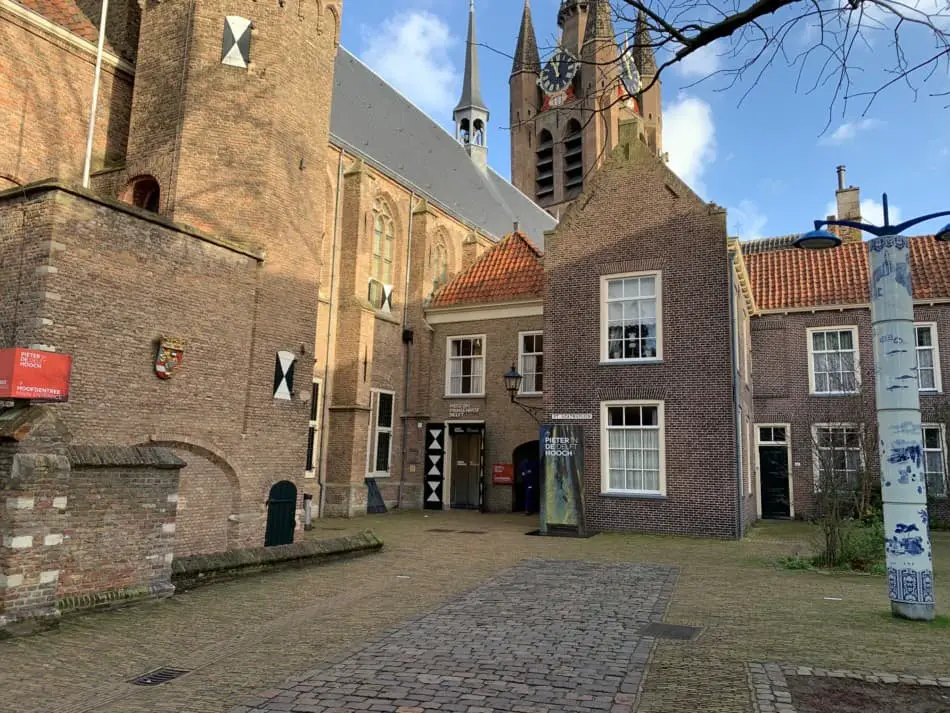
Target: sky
(767, 154)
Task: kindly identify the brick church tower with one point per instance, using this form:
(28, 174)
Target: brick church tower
(562, 130)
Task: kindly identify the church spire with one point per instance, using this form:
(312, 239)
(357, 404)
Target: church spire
(643, 48)
(471, 85)
(600, 25)
(471, 114)
(527, 58)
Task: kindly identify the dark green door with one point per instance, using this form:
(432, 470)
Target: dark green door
(281, 511)
(773, 465)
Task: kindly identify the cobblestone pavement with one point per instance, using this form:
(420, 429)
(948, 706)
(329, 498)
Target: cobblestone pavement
(243, 637)
(542, 636)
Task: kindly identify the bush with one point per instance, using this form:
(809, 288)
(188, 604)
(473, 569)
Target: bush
(855, 545)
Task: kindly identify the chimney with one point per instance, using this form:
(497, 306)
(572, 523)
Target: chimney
(849, 206)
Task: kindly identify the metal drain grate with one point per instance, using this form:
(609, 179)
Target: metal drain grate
(438, 529)
(672, 631)
(159, 676)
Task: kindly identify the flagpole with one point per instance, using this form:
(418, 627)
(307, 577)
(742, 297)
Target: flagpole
(95, 94)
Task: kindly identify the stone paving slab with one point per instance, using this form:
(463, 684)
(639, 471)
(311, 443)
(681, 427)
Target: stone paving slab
(541, 637)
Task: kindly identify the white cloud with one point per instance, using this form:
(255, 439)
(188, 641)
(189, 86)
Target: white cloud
(747, 221)
(413, 51)
(701, 63)
(871, 212)
(850, 130)
(689, 135)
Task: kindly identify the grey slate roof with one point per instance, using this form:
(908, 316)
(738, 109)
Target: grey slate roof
(371, 119)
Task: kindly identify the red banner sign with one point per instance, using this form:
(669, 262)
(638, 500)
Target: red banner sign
(503, 474)
(34, 375)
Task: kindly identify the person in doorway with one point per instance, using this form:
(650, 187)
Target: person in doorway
(529, 476)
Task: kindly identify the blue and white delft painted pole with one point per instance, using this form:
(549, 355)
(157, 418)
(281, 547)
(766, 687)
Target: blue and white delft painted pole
(910, 577)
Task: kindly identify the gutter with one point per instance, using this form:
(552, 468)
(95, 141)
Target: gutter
(324, 411)
(407, 373)
(736, 385)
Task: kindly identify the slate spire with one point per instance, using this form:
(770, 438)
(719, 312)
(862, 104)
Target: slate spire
(527, 57)
(643, 48)
(600, 25)
(471, 85)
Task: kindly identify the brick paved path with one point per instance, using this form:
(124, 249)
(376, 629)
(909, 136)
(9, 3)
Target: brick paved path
(540, 637)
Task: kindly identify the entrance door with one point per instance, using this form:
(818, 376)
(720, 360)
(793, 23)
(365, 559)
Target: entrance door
(773, 464)
(466, 470)
(281, 509)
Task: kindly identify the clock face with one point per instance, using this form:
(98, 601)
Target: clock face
(559, 72)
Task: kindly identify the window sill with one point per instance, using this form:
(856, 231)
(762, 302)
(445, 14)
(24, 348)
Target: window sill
(531, 395)
(632, 496)
(826, 394)
(930, 392)
(629, 362)
(463, 396)
(376, 476)
(384, 317)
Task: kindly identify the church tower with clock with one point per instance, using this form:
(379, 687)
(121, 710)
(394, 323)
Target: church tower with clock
(566, 109)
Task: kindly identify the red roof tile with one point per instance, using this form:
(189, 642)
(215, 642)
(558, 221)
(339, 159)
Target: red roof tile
(791, 278)
(511, 270)
(68, 14)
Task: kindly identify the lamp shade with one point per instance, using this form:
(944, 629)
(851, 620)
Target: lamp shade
(817, 240)
(513, 381)
(944, 234)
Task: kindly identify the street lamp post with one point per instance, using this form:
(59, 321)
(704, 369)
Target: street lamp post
(903, 477)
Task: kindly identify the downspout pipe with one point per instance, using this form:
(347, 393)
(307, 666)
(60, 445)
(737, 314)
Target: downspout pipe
(736, 386)
(407, 374)
(87, 163)
(324, 411)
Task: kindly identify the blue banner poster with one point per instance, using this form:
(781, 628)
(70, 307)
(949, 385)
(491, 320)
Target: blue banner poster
(562, 451)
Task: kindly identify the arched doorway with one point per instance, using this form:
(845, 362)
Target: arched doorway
(281, 511)
(526, 496)
(144, 192)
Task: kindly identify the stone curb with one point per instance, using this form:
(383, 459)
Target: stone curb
(198, 570)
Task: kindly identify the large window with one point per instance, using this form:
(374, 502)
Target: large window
(313, 452)
(631, 327)
(934, 461)
(632, 448)
(531, 358)
(838, 459)
(833, 360)
(928, 360)
(382, 243)
(382, 435)
(465, 366)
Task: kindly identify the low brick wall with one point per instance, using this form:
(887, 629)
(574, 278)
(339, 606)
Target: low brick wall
(81, 526)
(190, 572)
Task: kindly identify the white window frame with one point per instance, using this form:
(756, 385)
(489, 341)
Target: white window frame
(787, 444)
(314, 426)
(938, 383)
(521, 355)
(448, 363)
(811, 359)
(605, 488)
(374, 431)
(604, 332)
(943, 455)
(816, 458)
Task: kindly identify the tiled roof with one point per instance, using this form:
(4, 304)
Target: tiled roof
(791, 278)
(762, 245)
(511, 270)
(68, 14)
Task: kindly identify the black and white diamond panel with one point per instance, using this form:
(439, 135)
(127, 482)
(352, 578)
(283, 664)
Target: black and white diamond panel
(284, 375)
(434, 466)
(236, 45)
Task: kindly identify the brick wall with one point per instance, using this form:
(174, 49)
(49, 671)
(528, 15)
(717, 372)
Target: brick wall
(120, 532)
(782, 386)
(636, 215)
(104, 283)
(506, 425)
(45, 99)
